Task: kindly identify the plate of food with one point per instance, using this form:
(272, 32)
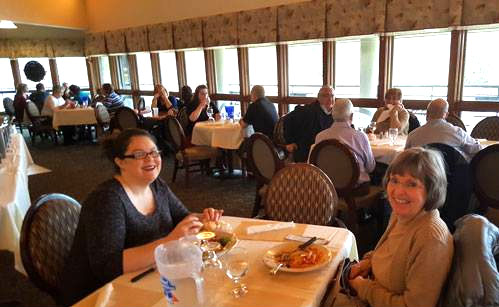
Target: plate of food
(296, 260)
(219, 236)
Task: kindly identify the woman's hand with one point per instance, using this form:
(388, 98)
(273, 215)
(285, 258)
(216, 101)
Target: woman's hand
(188, 226)
(360, 269)
(210, 214)
(356, 283)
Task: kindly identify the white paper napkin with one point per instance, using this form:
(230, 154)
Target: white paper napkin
(104, 296)
(268, 227)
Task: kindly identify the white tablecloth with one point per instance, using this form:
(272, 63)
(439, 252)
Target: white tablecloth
(74, 117)
(384, 152)
(14, 198)
(221, 134)
(284, 289)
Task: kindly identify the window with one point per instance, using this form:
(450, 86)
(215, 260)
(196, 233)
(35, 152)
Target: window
(73, 70)
(144, 71)
(227, 70)
(470, 119)
(305, 69)
(481, 81)
(194, 68)
(168, 67)
(357, 65)
(47, 80)
(124, 72)
(104, 70)
(128, 101)
(263, 68)
(421, 65)
(6, 78)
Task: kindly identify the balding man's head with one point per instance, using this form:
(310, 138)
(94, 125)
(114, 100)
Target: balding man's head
(326, 97)
(342, 110)
(437, 109)
(257, 92)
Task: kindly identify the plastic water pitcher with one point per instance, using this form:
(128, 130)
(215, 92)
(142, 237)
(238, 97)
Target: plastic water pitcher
(180, 263)
(230, 111)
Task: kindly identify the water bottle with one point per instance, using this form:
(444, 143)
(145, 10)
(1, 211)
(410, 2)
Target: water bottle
(180, 264)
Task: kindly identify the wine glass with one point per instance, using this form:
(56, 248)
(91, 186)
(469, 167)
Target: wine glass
(209, 112)
(372, 127)
(392, 134)
(236, 266)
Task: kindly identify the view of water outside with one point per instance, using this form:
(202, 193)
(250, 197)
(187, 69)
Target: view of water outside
(227, 76)
(73, 70)
(168, 67)
(195, 68)
(305, 69)
(144, 71)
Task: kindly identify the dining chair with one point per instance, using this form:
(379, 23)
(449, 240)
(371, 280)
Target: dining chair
(340, 165)
(302, 193)
(126, 118)
(103, 120)
(40, 125)
(487, 128)
(47, 235)
(413, 122)
(8, 105)
(456, 121)
(484, 170)
(280, 141)
(459, 184)
(183, 117)
(264, 162)
(187, 157)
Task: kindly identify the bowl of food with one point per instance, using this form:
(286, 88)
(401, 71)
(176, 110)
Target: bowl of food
(219, 236)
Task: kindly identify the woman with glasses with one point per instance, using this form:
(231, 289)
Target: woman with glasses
(410, 263)
(125, 218)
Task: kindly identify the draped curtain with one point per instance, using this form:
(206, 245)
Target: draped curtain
(160, 36)
(220, 30)
(257, 26)
(136, 39)
(188, 33)
(302, 21)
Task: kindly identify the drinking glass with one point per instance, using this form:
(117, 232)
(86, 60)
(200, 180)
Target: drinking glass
(209, 111)
(236, 266)
(392, 134)
(372, 127)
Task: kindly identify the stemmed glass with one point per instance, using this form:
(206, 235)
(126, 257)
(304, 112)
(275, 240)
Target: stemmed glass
(236, 266)
(372, 127)
(392, 134)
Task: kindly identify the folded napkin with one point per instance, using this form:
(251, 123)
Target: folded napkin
(268, 227)
(104, 296)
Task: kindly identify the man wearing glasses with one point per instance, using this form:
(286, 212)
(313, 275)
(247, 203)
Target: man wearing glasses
(303, 124)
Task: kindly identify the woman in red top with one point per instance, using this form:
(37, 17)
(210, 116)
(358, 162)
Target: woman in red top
(20, 101)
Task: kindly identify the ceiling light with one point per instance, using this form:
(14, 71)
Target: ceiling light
(7, 24)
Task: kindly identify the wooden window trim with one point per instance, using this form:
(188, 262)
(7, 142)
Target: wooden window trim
(209, 63)
(181, 72)
(456, 70)
(54, 72)
(328, 62)
(282, 77)
(14, 64)
(244, 84)
(114, 70)
(156, 69)
(385, 67)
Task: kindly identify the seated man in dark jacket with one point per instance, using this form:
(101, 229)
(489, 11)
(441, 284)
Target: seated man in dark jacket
(39, 96)
(261, 113)
(305, 122)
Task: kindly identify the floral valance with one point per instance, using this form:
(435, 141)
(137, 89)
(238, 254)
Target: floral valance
(68, 48)
(115, 41)
(95, 43)
(480, 12)
(257, 26)
(160, 36)
(354, 17)
(136, 39)
(31, 48)
(302, 21)
(220, 30)
(188, 33)
(406, 15)
(5, 50)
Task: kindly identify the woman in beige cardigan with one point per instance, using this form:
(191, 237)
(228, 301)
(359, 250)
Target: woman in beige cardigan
(411, 261)
(392, 114)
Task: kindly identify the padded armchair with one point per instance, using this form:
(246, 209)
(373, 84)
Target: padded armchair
(188, 157)
(40, 125)
(280, 141)
(487, 128)
(126, 118)
(47, 236)
(340, 165)
(103, 119)
(301, 193)
(456, 121)
(484, 170)
(264, 161)
(183, 117)
(8, 105)
(413, 122)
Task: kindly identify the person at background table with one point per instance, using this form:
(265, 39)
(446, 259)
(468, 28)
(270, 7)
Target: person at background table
(357, 141)
(302, 125)
(261, 113)
(392, 114)
(125, 218)
(20, 101)
(65, 90)
(53, 102)
(164, 102)
(196, 108)
(185, 96)
(112, 101)
(410, 263)
(39, 96)
(438, 130)
(78, 96)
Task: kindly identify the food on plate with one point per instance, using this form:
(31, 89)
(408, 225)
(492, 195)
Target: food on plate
(218, 226)
(297, 259)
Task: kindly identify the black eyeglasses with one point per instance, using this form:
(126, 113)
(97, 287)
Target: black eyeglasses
(141, 155)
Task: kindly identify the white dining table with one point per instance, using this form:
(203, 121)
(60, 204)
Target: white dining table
(73, 117)
(284, 289)
(384, 152)
(220, 134)
(14, 198)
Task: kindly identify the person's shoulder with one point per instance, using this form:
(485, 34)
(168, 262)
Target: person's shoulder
(107, 190)
(433, 229)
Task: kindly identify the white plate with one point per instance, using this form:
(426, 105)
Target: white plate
(269, 257)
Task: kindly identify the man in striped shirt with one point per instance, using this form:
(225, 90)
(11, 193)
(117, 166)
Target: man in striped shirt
(112, 101)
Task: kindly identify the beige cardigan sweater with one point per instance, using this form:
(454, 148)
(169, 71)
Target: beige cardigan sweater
(410, 263)
(401, 121)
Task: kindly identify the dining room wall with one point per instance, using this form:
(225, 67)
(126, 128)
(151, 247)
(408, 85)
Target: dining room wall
(57, 13)
(117, 14)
